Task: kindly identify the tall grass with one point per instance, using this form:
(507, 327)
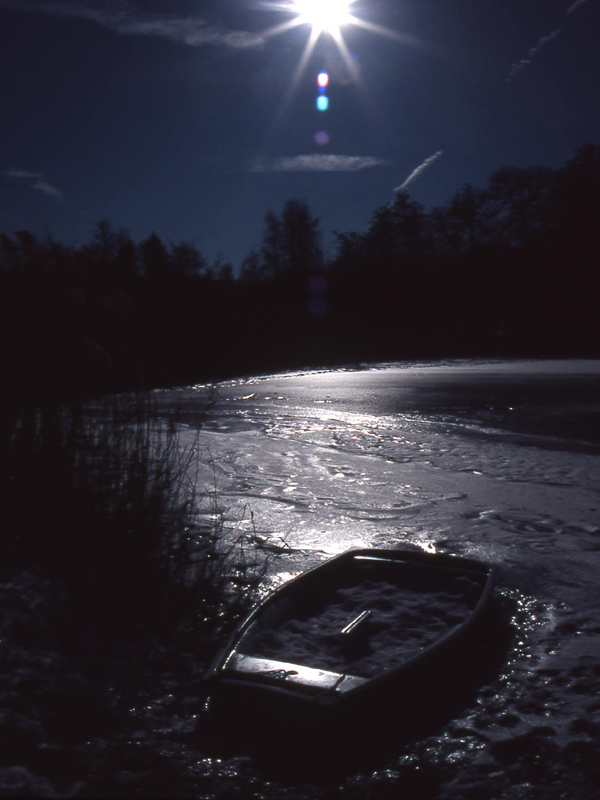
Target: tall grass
(106, 497)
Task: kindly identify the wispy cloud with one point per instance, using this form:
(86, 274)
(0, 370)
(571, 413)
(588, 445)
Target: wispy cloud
(575, 6)
(21, 173)
(421, 168)
(316, 163)
(38, 182)
(127, 19)
(532, 53)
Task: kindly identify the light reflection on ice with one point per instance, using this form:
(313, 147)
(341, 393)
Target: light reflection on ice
(363, 476)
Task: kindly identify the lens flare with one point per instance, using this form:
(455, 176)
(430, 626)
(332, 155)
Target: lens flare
(322, 138)
(322, 102)
(323, 18)
(323, 79)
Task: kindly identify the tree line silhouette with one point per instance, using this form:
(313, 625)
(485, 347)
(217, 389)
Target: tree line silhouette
(505, 269)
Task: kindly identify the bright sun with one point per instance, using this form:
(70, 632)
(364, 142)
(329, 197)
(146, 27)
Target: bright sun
(323, 15)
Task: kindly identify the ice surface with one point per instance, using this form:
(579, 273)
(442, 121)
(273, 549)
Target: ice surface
(489, 459)
(429, 455)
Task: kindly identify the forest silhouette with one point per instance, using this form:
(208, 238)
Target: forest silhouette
(508, 269)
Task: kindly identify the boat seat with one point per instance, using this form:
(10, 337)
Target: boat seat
(271, 670)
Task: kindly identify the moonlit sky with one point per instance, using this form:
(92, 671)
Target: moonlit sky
(184, 118)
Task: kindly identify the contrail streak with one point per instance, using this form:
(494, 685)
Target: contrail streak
(575, 6)
(416, 172)
(525, 62)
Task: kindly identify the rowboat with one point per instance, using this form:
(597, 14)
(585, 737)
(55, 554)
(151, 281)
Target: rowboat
(364, 625)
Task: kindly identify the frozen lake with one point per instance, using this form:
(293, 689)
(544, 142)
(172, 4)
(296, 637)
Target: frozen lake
(496, 460)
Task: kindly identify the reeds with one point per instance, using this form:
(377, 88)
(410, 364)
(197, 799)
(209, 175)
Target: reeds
(105, 496)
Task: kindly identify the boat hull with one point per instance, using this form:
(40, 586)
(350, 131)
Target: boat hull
(284, 655)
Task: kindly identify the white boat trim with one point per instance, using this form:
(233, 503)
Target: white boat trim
(243, 666)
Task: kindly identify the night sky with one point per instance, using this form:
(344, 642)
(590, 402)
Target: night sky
(188, 118)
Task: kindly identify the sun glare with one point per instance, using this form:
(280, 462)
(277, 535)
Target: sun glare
(323, 15)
